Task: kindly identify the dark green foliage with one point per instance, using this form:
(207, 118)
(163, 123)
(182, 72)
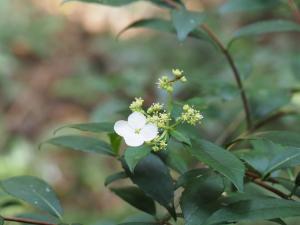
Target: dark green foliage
(137, 198)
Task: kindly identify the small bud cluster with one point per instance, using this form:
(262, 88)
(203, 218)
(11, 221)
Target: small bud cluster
(159, 145)
(179, 75)
(154, 108)
(160, 119)
(166, 84)
(136, 105)
(190, 115)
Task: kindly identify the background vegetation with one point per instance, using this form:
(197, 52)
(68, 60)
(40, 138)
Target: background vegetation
(62, 63)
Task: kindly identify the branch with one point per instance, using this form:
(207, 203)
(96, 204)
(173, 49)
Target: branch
(255, 178)
(235, 73)
(293, 6)
(28, 221)
(272, 118)
(230, 62)
(270, 188)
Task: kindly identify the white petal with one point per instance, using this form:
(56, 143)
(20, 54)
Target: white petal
(122, 128)
(134, 140)
(149, 132)
(137, 120)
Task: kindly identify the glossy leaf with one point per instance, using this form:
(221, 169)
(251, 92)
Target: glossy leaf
(220, 160)
(248, 5)
(289, 185)
(153, 177)
(258, 209)
(165, 26)
(133, 155)
(191, 175)
(267, 157)
(180, 137)
(198, 200)
(122, 2)
(138, 223)
(264, 27)
(115, 142)
(114, 177)
(106, 2)
(35, 192)
(40, 217)
(91, 127)
(185, 21)
(82, 143)
(137, 198)
(285, 138)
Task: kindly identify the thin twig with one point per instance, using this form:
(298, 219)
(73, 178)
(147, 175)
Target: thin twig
(272, 118)
(270, 188)
(293, 6)
(235, 73)
(231, 64)
(28, 221)
(255, 178)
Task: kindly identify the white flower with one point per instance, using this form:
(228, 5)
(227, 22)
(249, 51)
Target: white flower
(136, 130)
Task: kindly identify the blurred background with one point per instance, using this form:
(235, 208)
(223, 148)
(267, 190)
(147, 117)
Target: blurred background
(62, 64)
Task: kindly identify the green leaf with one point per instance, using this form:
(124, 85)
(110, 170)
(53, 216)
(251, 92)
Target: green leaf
(153, 177)
(191, 175)
(185, 22)
(285, 138)
(248, 5)
(115, 142)
(198, 200)
(40, 217)
(176, 156)
(220, 160)
(35, 192)
(165, 26)
(264, 27)
(1, 221)
(180, 137)
(123, 2)
(289, 185)
(82, 143)
(133, 155)
(267, 157)
(153, 23)
(258, 209)
(138, 223)
(114, 177)
(137, 198)
(106, 2)
(91, 127)
(278, 221)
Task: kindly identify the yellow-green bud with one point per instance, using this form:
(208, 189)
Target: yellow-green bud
(177, 72)
(183, 79)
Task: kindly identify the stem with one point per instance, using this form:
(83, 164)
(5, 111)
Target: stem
(270, 188)
(235, 73)
(272, 118)
(293, 6)
(28, 221)
(231, 64)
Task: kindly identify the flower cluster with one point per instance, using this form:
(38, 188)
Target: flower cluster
(136, 105)
(190, 115)
(153, 125)
(166, 84)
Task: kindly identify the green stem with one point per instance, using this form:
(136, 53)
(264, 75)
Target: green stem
(235, 71)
